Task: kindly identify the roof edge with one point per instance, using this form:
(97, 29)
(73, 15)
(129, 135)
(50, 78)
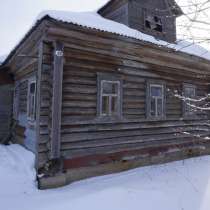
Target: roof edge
(49, 18)
(104, 6)
(31, 30)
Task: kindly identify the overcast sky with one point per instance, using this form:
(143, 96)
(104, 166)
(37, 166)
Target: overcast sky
(17, 16)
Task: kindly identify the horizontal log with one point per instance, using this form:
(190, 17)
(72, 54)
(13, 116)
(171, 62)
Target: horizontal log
(103, 135)
(99, 125)
(129, 141)
(71, 153)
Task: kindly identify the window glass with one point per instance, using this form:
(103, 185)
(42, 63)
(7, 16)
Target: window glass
(152, 108)
(110, 98)
(114, 105)
(160, 107)
(156, 100)
(189, 93)
(32, 100)
(109, 88)
(105, 105)
(32, 88)
(156, 91)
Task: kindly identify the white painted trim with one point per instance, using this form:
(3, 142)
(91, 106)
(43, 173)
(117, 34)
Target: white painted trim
(156, 99)
(30, 81)
(117, 95)
(185, 104)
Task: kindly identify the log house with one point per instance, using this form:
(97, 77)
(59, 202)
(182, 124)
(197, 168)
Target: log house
(90, 102)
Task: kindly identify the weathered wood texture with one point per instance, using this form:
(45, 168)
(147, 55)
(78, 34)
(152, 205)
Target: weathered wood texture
(133, 14)
(23, 64)
(23, 92)
(5, 77)
(57, 100)
(138, 11)
(117, 11)
(5, 111)
(88, 52)
(45, 108)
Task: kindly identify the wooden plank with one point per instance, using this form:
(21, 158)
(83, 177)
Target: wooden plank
(57, 100)
(38, 99)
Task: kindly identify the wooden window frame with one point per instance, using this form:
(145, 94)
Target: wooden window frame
(187, 114)
(33, 118)
(116, 79)
(149, 97)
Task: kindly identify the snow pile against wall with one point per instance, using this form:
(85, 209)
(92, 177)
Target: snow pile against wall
(182, 185)
(95, 21)
(17, 173)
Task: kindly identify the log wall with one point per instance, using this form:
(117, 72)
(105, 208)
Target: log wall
(5, 111)
(81, 138)
(23, 64)
(84, 137)
(45, 112)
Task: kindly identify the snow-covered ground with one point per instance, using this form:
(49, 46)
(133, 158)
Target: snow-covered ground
(183, 185)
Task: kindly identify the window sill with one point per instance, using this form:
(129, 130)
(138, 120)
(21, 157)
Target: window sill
(111, 119)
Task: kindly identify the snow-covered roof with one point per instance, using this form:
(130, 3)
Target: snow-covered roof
(95, 21)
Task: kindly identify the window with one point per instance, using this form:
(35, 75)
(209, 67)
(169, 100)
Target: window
(109, 96)
(153, 23)
(189, 93)
(31, 102)
(156, 101)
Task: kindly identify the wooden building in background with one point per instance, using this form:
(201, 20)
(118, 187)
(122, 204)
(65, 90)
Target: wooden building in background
(89, 101)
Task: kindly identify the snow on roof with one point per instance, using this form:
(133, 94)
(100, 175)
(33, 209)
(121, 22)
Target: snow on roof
(95, 21)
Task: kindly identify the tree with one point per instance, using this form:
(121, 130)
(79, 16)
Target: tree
(194, 25)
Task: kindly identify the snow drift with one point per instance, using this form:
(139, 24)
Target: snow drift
(183, 185)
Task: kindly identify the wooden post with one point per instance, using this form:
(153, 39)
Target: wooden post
(57, 100)
(38, 99)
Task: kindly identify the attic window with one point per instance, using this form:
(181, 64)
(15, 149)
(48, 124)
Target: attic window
(153, 23)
